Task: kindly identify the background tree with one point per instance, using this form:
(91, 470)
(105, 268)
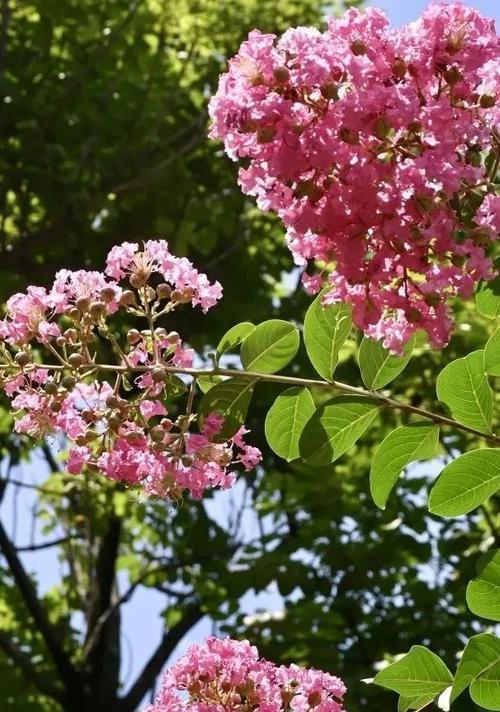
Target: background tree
(104, 134)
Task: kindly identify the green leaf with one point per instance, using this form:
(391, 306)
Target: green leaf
(335, 427)
(378, 366)
(488, 298)
(412, 703)
(492, 354)
(404, 445)
(481, 654)
(485, 691)
(462, 385)
(420, 675)
(286, 420)
(230, 399)
(205, 383)
(483, 592)
(466, 483)
(270, 346)
(233, 338)
(325, 331)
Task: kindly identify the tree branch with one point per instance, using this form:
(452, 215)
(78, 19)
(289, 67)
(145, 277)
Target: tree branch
(23, 662)
(152, 668)
(67, 673)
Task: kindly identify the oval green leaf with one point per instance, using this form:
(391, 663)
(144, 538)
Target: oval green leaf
(404, 445)
(488, 298)
(326, 329)
(485, 691)
(233, 338)
(270, 346)
(463, 387)
(481, 655)
(419, 675)
(483, 592)
(378, 366)
(230, 399)
(466, 483)
(286, 420)
(205, 383)
(335, 427)
(492, 354)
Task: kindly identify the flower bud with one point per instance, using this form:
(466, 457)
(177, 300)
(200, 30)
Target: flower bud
(329, 91)
(50, 388)
(114, 422)
(166, 424)
(453, 76)
(157, 434)
(97, 310)
(71, 334)
(432, 300)
(108, 294)
(55, 406)
(61, 341)
(281, 74)
(413, 315)
(382, 128)
(139, 279)
(487, 101)
(68, 382)
(88, 416)
(90, 436)
(76, 360)
(133, 336)
(22, 358)
(163, 291)
(266, 134)
(73, 313)
(82, 304)
(358, 48)
(159, 375)
(348, 136)
(314, 698)
(399, 68)
(112, 402)
(173, 337)
(127, 298)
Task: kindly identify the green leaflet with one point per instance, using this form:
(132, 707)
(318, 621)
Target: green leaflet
(404, 445)
(270, 346)
(378, 366)
(466, 483)
(286, 420)
(325, 330)
(483, 592)
(462, 385)
(335, 427)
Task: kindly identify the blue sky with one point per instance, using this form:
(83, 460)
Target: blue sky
(142, 624)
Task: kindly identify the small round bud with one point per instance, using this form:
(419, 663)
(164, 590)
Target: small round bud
(50, 388)
(173, 337)
(413, 315)
(68, 382)
(453, 76)
(138, 280)
(133, 437)
(61, 341)
(266, 134)
(281, 74)
(348, 136)
(108, 294)
(415, 127)
(114, 421)
(159, 375)
(399, 68)
(73, 313)
(166, 424)
(91, 435)
(88, 416)
(382, 128)
(133, 336)
(487, 101)
(55, 406)
(76, 360)
(112, 402)
(432, 300)
(80, 440)
(329, 91)
(71, 334)
(22, 358)
(127, 298)
(163, 291)
(358, 48)
(97, 310)
(82, 304)
(157, 434)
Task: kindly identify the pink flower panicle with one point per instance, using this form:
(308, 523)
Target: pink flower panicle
(370, 145)
(120, 428)
(229, 676)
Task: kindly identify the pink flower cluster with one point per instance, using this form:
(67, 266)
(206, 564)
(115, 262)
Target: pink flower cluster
(228, 676)
(378, 149)
(130, 429)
